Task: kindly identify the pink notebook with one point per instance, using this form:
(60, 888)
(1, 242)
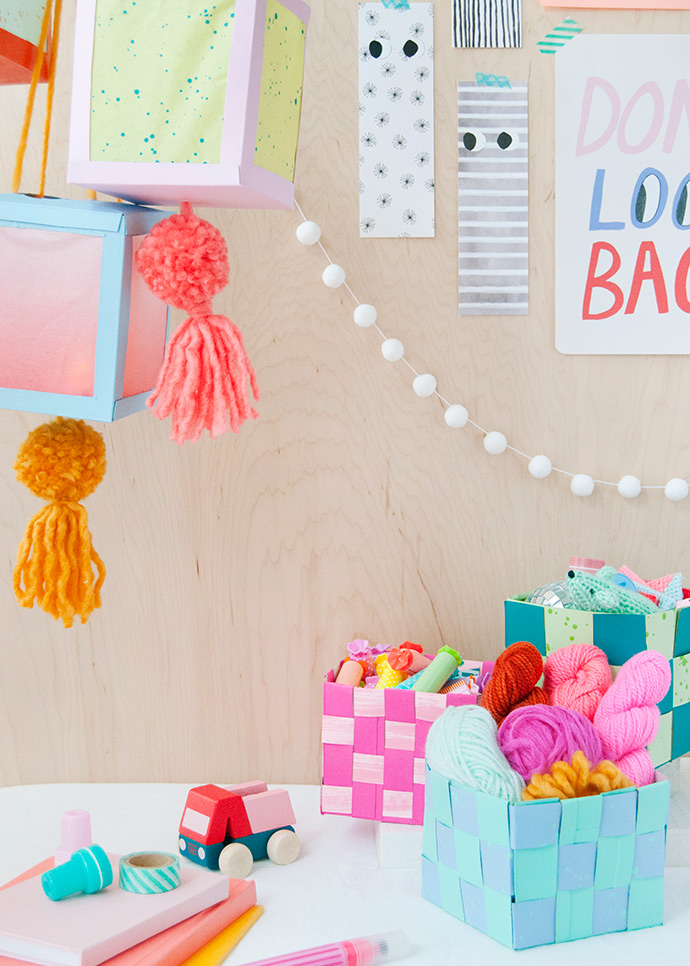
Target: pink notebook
(88, 930)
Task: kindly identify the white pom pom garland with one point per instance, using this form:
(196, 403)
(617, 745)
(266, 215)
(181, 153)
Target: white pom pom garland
(582, 485)
(424, 385)
(676, 490)
(540, 467)
(333, 276)
(456, 416)
(308, 233)
(392, 350)
(495, 443)
(629, 487)
(365, 315)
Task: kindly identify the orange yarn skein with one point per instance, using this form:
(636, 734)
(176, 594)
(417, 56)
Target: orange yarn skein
(577, 780)
(62, 461)
(513, 681)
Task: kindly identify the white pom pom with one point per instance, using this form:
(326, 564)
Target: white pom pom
(456, 416)
(629, 487)
(676, 489)
(392, 350)
(365, 315)
(582, 485)
(540, 467)
(308, 233)
(424, 385)
(333, 276)
(495, 443)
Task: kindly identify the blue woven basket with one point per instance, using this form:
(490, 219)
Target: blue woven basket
(548, 871)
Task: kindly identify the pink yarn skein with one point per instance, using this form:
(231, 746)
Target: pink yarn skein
(577, 677)
(628, 718)
(534, 737)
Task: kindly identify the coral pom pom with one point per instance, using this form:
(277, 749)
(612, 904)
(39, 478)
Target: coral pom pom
(62, 461)
(577, 677)
(184, 261)
(513, 682)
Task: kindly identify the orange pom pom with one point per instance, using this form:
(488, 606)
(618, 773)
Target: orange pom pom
(62, 461)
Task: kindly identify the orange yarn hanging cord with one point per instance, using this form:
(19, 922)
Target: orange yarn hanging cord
(53, 9)
(62, 461)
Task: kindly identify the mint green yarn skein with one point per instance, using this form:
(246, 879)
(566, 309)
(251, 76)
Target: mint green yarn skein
(462, 746)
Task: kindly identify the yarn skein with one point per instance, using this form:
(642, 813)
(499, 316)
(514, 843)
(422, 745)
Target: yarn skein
(184, 261)
(576, 780)
(534, 737)
(628, 717)
(513, 681)
(577, 677)
(462, 747)
(62, 461)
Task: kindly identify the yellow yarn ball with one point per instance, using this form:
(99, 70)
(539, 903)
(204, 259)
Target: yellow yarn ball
(576, 780)
(63, 460)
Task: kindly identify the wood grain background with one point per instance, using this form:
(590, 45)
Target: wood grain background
(239, 568)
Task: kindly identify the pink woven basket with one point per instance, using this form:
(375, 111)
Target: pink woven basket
(373, 749)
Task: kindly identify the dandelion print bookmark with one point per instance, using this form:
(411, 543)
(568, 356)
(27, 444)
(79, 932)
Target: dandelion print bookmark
(396, 121)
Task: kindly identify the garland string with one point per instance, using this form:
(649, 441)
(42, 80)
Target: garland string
(581, 485)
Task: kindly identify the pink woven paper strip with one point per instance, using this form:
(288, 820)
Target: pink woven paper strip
(367, 768)
(396, 805)
(337, 731)
(336, 800)
(400, 735)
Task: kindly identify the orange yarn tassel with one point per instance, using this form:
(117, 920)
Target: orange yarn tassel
(577, 780)
(513, 681)
(62, 461)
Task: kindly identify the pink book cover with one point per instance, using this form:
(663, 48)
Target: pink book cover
(88, 930)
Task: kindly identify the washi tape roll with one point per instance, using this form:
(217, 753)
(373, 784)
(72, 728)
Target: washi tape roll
(149, 872)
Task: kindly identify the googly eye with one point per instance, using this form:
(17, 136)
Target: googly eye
(473, 141)
(380, 47)
(507, 140)
(413, 48)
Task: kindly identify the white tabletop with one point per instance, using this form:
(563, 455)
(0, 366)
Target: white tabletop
(335, 890)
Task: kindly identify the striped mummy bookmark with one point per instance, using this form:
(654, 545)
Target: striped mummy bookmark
(493, 223)
(487, 23)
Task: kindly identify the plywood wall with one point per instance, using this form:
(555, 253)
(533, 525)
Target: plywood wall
(238, 569)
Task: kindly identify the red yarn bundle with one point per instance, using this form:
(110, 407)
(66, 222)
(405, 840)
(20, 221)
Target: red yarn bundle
(184, 261)
(513, 681)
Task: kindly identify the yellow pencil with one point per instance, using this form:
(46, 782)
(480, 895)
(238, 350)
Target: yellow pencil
(216, 950)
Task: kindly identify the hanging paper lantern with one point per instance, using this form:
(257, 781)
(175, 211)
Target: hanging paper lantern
(63, 462)
(178, 102)
(20, 31)
(80, 333)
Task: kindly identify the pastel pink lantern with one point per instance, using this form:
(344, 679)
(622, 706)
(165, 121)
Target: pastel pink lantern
(175, 102)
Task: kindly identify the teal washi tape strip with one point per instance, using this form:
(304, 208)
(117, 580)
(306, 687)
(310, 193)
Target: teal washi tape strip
(148, 872)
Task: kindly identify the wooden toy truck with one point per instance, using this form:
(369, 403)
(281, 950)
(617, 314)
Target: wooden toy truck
(227, 828)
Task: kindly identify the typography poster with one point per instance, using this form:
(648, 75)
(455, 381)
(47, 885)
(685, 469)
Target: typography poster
(622, 213)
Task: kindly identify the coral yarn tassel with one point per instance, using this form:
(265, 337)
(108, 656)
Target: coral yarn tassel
(184, 261)
(54, 564)
(203, 376)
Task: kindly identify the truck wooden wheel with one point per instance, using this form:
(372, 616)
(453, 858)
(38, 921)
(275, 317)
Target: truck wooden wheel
(283, 847)
(236, 861)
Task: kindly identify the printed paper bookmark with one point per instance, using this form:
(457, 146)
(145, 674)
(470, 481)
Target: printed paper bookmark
(487, 23)
(396, 121)
(493, 223)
